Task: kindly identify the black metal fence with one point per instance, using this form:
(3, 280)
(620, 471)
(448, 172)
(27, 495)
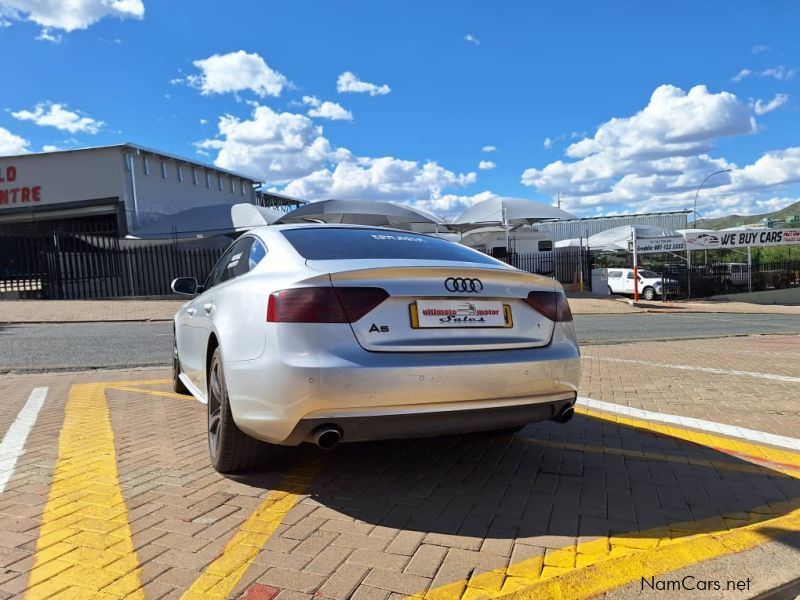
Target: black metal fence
(68, 265)
(730, 278)
(563, 264)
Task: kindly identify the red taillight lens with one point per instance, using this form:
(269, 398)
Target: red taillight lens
(552, 305)
(323, 304)
(358, 301)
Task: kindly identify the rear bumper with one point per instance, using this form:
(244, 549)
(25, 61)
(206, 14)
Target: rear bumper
(423, 421)
(300, 383)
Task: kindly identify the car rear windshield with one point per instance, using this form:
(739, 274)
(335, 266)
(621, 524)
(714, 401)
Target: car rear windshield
(342, 243)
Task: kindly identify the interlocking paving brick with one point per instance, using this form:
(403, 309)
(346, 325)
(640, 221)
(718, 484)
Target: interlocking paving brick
(395, 518)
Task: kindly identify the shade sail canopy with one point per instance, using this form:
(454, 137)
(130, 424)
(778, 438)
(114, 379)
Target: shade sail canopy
(514, 211)
(616, 239)
(208, 220)
(364, 212)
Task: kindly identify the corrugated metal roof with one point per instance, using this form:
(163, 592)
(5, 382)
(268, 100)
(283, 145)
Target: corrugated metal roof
(575, 228)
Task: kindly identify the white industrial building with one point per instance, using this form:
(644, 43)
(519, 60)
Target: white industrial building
(117, 189)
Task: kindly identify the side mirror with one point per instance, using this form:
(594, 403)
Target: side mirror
(185, 286)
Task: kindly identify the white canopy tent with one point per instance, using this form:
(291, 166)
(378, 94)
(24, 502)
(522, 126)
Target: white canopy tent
(617, 239)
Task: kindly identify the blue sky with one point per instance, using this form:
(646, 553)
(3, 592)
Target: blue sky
(590, 100)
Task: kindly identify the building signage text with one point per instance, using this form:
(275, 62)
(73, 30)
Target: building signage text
(661, 244)
(11, 194)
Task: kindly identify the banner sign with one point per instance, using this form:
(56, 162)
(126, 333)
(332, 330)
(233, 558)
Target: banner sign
(743, 238)
(661, 244)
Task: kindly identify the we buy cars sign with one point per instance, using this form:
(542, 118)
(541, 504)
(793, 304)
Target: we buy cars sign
(739, 239)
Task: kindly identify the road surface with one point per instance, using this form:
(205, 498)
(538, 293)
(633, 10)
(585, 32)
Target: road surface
(76, 346)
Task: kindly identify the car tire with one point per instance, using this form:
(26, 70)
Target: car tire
(649, 293)
(177, 385)
(230, 449)
(610, 291)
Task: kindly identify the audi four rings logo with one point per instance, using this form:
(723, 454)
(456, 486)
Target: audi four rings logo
(461, 284)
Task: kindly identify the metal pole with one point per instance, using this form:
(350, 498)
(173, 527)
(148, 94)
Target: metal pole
(505, 225)
(688, 274)
(749, 269)
(698, 191)
(635, 268)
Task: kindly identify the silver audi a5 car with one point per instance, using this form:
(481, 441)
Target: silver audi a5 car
(338, 333)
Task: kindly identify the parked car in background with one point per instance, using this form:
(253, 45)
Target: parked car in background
(620, 281)
(329, 333)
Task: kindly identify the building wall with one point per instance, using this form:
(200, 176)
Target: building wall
(60, 177)
(161, 190)
(576, 228)
(38, 183)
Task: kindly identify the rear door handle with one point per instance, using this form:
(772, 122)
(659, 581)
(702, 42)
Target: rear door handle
(208, 307)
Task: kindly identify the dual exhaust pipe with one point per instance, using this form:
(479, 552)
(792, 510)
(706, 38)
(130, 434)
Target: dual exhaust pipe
(327, 437)
(564, 415)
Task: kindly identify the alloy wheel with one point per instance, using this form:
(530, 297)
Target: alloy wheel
(214, 409)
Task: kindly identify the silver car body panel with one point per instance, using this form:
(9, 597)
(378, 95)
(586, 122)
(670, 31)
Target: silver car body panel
(279, 374)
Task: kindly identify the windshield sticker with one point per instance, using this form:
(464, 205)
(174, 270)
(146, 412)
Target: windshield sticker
(399, 238)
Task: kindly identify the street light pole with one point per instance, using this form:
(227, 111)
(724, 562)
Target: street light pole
(699, 187)
(694, 212)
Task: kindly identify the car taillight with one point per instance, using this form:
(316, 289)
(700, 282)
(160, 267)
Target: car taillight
(552, 305)
(323, 304)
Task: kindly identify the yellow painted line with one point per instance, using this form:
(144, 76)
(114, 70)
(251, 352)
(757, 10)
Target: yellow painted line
(716, 442)
(85, 547)
(220, 577)
(592, 568)
(159, 393)
(137, 383)
(671, 554)
(735, 467)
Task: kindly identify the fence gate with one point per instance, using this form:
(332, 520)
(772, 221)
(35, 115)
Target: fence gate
(73, 265)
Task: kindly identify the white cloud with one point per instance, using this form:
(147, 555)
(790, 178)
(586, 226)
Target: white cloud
(12, 144)
(326, 110)
(289, 150)
(486, 165)
(50, 148)
(451, 205)
(384, 178)
(781, 73)
(760, 49)
(46, 35)
(203, 121)
(489, 149)
(236, 72)
(59, 116)
(652, 160)
(349, 82)
(762, 108)
(472, 39)
(741, 75)
(72, 15)
(548, 143)
(277, 147)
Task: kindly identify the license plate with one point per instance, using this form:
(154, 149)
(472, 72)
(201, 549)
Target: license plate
(436, 314)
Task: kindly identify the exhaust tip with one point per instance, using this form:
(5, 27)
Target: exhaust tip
(565, 415)
(327, 437)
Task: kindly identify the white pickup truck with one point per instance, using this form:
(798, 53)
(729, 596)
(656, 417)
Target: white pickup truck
(620, 281)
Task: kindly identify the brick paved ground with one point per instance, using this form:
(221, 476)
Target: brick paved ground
(390, 519)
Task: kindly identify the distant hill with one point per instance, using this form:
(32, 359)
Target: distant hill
(734, 220)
